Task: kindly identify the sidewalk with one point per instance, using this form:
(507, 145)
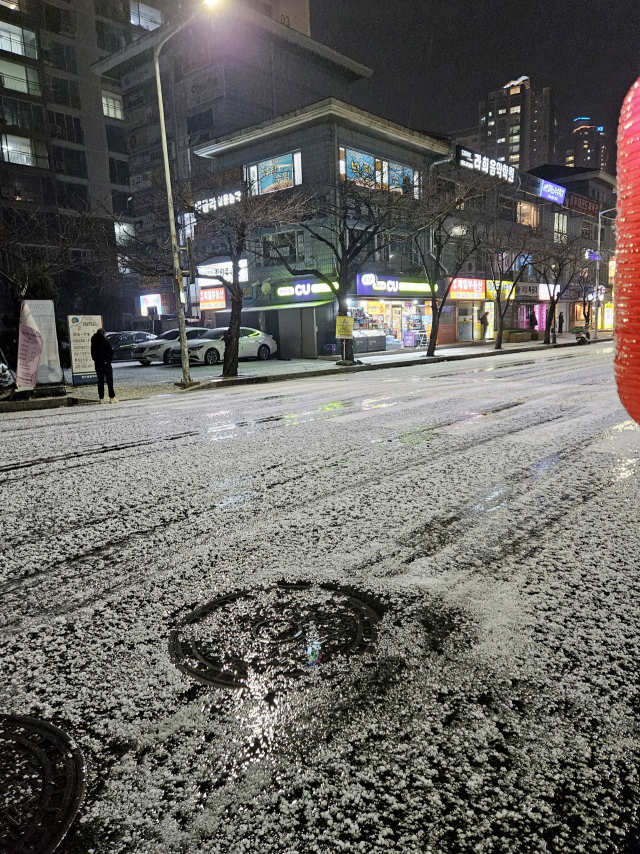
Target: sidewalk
(133, 381)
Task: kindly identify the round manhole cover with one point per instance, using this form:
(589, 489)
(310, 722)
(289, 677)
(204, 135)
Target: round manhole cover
(283, 630)
(42, 784)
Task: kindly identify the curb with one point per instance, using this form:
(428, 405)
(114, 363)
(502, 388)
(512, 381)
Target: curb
(407, 363)
(44, 403)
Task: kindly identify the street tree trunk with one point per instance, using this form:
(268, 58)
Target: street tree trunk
(551, 314)
(232, 338)
(435, 326)
(500, 327)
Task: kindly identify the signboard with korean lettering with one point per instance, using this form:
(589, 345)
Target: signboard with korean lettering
(553, 192)
(276, 174)
(203, 87)
(212, 299)
(39, 315)
(360, 167)
(476, 162)
(344, 327)
(369, 284)
(582, 204)
(81, 329)
(469, 289)
(522, 291)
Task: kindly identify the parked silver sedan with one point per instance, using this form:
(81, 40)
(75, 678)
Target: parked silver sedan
(209, 348)
(159, 349)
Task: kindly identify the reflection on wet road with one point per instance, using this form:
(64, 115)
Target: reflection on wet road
(388, 611)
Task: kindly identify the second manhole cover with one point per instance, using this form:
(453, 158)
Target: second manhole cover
(283, 630)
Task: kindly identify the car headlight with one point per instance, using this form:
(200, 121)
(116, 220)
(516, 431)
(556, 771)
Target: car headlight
(199, 347)
(153, 346)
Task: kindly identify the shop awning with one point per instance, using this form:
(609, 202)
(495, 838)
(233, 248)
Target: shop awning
(287, 305)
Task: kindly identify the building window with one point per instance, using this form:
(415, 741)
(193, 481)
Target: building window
(501, 140)
(506, 209)
(560, 227)
(69, 161)
(20, 78)
(64, 126)
(145, 16)
(514, 158)
(121, 202)
(21, 114)
(58, 55)
(112, 105)
(118, 171)
(111, 37)
(515, 109)
(16, 40)
(515, 138)
(528, 214)
(278, 173)
(116, 139)
(283, 244)
(59, 21)
(24, 152)
(367, 170)
(63, 91)
(187, 228)
(75, 197)
(502, 112)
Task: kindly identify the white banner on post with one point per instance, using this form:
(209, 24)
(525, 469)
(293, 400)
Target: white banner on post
(29, 354)
(39, 315)
(81, 328)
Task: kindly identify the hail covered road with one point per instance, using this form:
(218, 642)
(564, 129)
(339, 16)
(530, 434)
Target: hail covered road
(486, 510)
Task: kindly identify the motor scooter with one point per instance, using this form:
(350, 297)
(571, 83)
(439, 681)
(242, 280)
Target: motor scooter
(582, 335)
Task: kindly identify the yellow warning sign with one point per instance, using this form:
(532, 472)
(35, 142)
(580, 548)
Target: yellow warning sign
(344, 327)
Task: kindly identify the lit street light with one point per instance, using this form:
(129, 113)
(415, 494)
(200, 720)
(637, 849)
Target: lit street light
(177, 272)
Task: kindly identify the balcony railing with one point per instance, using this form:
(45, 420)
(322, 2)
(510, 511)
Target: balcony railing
(13, 44)
(25, 158)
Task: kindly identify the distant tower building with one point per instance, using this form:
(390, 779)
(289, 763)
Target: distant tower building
(588, 145)
(517, 125)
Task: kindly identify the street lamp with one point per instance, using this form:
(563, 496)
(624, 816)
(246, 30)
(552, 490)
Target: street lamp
(597, 300)
(177, 272)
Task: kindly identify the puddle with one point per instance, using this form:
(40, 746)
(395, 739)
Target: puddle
(336, 404)
(624, 469)
(497, 490)
(545, 466)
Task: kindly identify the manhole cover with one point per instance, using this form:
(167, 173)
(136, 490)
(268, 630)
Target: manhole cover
(283, 630)
(42, 784)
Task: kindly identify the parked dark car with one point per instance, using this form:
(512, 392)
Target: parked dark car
(124, 342)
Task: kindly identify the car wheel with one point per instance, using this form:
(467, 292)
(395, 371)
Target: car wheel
(167, 357)
(145, 364)
(263, 352)
(211, 357)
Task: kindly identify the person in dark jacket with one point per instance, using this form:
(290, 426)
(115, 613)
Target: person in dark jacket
(102, 353)
(560, 323)
(533, 321)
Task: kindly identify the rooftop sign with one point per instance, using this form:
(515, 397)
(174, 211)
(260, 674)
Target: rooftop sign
(476, 162)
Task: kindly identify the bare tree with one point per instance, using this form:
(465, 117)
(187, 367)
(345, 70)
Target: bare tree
(559, 264)
(232, 222)
(507, 251)
(447, 232)
(350, 223)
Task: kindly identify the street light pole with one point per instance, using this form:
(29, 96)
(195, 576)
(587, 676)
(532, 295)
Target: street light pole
(597, 294)
(177, 272)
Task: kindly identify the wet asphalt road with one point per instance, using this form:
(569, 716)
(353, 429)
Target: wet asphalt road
(485, 510)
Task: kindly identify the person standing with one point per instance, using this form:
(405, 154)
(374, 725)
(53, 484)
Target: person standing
(560, 323)
(102, 354)
(533, 322)
(484, 323)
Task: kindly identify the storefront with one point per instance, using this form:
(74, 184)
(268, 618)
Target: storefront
(468, 299)
(396, 308)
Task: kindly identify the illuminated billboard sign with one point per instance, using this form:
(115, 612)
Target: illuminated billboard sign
(467, 289)
(369, 285)
(150, 301)
(553, 192)
(213, 299)
(306, 289)
(476, 162)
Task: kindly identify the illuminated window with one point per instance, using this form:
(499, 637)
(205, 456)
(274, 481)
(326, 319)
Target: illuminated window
(515, 138)
(528, 214)
(560, 227)
(501, 140)
(112, 105)
(370, 171)
(515, 109)
(491, 124)
(502, 112)
(19, 78)
(16, 40)
(277, 173)
(514, 158)
(145, 16)
(23, 151)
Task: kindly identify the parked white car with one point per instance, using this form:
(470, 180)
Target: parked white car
(209, 349)
(159, 349)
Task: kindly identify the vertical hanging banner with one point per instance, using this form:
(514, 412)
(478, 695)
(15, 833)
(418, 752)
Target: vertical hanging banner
(29, 354)
(81, 328)
(39, 316)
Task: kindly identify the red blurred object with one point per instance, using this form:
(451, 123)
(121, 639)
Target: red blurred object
(627, 281)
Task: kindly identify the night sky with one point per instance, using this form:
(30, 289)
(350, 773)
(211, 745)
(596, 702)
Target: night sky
(433, 60)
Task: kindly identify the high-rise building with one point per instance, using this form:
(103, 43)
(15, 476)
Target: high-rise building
(517, 125)
(251, 62)
(63, 145)
(587, 145)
